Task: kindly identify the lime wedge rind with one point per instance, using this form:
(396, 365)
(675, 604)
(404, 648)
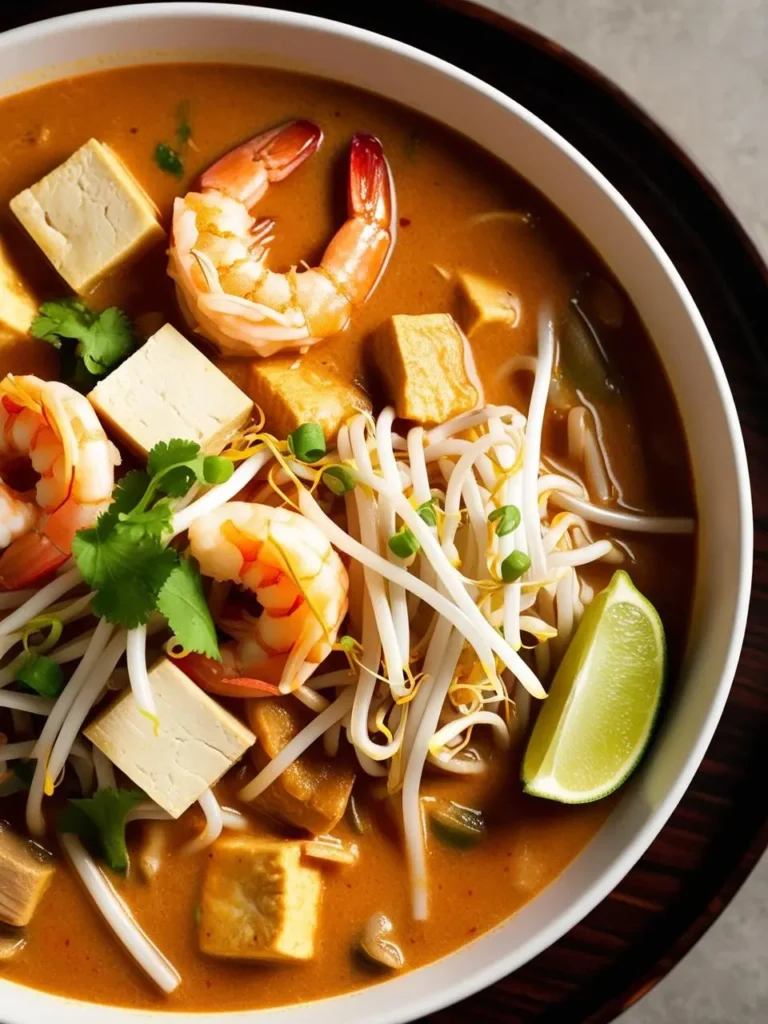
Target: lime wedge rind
(613, 672)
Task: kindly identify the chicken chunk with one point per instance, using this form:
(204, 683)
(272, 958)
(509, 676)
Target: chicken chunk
(26, 870)
(427, 367)
(291, 391)
(260, 901)
(312, 793)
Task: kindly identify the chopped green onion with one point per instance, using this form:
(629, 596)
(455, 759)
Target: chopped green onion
(41, 674)
(403, 543)
(37, 625)
(338, 479)
(507, 518)
(456, 825)
(168, 160)
(217, 470)
(427, 512)
(197, 913)
(514, 566)
(307, 442)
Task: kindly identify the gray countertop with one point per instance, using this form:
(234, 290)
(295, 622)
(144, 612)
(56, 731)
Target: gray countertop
(700, 67)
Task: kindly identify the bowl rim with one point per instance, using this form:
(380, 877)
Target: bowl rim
(113, 17)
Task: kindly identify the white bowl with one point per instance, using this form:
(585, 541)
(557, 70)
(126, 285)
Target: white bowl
(168, 32)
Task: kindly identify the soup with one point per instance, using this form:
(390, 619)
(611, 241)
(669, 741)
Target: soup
(280, 706)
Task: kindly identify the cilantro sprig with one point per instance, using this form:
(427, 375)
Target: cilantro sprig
(125, 557)
(100, 822)
(90, 344)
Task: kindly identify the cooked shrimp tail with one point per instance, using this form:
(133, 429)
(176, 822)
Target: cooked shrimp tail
(219, 254)
(245, 173)
(358, 253)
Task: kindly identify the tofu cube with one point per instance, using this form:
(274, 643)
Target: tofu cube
(18, 305)
(26, 870)
(260, 901)
(427, 367)
(195, 743)
(291, 391)
(166, 389)
(313, 791)
(88, 216)
(484, 306)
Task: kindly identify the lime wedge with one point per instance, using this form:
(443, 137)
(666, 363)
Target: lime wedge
(596, 722)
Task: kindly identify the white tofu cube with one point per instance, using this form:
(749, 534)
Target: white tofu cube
(196, 740)
(170, 389)
(18, 306)
(88, 216)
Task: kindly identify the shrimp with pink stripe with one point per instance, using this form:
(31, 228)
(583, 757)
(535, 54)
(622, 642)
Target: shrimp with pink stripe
(297, 578)
(56, 428)
(219, 251)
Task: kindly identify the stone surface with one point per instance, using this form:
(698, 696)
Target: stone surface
(700, 67)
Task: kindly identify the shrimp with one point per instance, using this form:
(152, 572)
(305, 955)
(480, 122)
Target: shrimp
(58, 430)
(297, 578)
(218, 256)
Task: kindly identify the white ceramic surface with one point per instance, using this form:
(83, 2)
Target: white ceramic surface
(247, 35)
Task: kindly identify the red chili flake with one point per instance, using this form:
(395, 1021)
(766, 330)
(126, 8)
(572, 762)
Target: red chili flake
(405, 222)
(472, 930)
(66, 942)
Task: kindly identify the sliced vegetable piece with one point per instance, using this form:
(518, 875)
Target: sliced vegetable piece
(307, 442)
(515, 565)
(596, 724)
(41, 674)
(455, 825)
(403, 543)
(582, 359)
(507, 519)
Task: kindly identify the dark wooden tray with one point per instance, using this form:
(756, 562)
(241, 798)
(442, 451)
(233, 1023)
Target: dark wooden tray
(720, 828)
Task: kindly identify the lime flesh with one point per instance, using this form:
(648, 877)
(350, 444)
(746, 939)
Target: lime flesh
(596, 722)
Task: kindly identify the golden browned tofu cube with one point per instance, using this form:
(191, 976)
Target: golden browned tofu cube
(26, 871)
(260, 901)
(89, 215)
(426, 366)
(166, 389)
(18, 305)
(485, 305)
(291, 391)
(313, 791)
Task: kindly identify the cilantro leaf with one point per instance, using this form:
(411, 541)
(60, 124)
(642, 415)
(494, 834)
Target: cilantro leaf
(175, 465)
(91, 344)
(128, 493)
(109, 342)
(100, 821)
(182, 602)
(167, 454)
(126, 565)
